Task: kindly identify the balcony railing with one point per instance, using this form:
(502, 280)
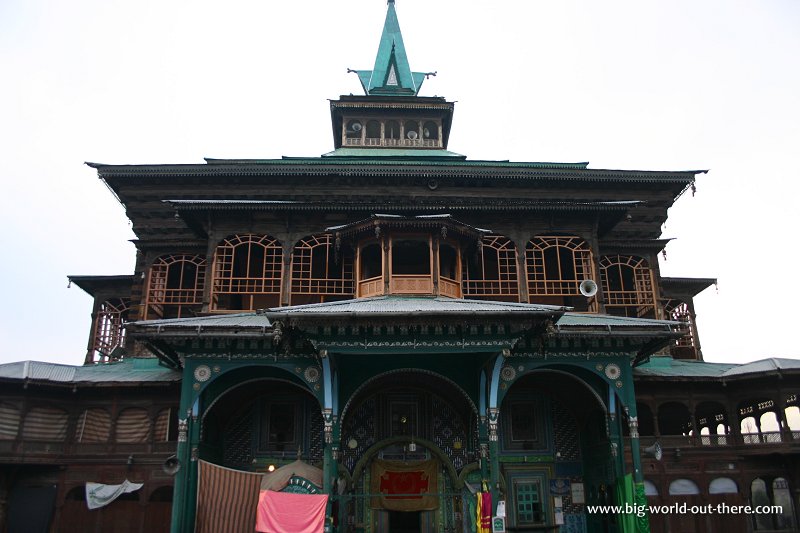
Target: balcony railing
(391, 143)
(410, 284)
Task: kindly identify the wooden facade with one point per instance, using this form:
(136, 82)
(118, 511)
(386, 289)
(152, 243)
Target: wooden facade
(392, 302)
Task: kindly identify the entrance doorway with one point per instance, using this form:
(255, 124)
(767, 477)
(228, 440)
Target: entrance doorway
(404, 521)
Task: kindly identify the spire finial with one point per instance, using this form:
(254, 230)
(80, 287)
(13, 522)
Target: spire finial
(391, 75)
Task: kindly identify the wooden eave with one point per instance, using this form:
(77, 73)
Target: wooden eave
(649, 245)
(94, 285)
(685, 287)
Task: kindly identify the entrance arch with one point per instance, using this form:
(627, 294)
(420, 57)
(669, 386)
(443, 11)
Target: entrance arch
(407, 428)
(553, 435)
(262, 421)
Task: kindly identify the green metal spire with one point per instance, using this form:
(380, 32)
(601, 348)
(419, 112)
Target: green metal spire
(391, 74)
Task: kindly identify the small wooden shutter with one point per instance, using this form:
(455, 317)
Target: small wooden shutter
(45, 424)
(162, 425)
(94, 425)
(133, 425)
(9, 421)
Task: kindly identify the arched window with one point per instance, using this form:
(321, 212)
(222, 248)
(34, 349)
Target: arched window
(556, 266)
(674, 419)
(45, 424)
(175, 288)
(709, 416)
(247, 273)
(760, 497)
(627, 286)
(491, 270)
(373, 133)
(411, 128)
(353, 130)
(723, 485)
(320, 272)
(646, 420)
(749, 430)
(792, 414)
(109, 328)
(94, 425)
(782, 497)
(686, 346)
(161, 494)
(649, 488)
(392, 131)
(683, 487)
(133, 425)
(430, 133)
(165, 428)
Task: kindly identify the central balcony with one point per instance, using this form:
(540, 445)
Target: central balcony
(414, 256)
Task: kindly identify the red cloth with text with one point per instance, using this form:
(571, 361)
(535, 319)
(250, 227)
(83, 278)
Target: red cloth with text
(486, 512)
(285, 512)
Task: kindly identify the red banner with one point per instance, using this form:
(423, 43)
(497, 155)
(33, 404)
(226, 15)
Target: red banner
(402, 486)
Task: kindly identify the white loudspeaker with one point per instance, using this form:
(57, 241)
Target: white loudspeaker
(588, 288)
(654, 451)
(171, 465)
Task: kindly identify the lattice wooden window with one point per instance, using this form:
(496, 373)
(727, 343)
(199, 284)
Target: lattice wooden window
(247, 268)
(318, 270)
(175, 288)
(109, 328)
(493, 269)
(556, 266)
(686, 346)
(628, 286)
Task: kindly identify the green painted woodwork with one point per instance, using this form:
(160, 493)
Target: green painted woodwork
(391, 74)
(642, 522)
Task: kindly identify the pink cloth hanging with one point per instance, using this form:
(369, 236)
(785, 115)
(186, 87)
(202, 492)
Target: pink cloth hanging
(285, 512)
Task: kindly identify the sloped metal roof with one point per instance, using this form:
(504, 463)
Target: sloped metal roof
(772, 364)
(238, 320)
(129, 371)
(674, 368)
(605, 321)
(398, 305)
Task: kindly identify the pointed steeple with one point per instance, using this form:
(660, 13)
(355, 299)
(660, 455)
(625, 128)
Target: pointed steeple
(391, 74)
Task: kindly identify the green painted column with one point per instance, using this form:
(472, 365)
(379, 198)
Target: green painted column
(182, 477)
(494, 457)
(640, 499)
(330, 456)
(194, 456)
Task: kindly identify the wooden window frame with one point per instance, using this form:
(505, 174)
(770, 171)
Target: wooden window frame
(108, 331)
(507, 281)
(266, 282)
(640, 297)
(159, 295)
(329, 285)
(542, 282)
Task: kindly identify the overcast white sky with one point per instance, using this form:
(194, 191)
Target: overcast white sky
(632, 85)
